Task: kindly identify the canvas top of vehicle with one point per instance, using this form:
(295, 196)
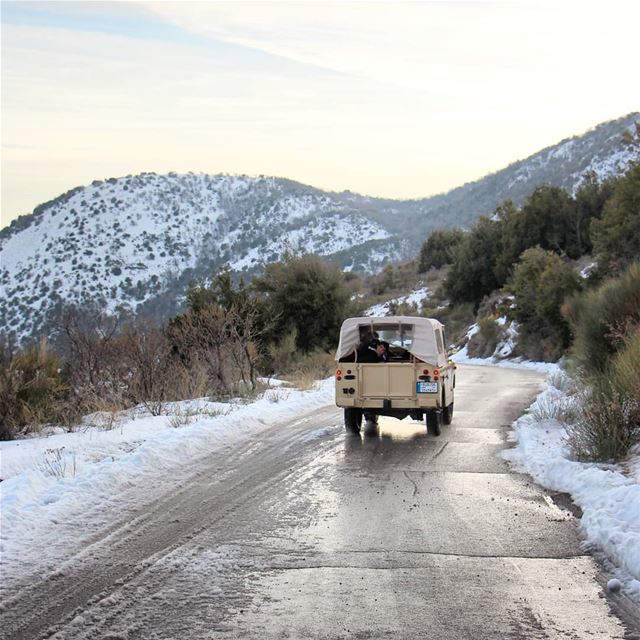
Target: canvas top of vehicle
(406, 335)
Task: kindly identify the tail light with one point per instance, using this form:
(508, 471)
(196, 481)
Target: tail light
(426, 371)
(436, 372)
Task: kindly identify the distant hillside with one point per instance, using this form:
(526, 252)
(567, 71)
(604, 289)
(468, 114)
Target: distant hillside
(136, 242)
(565, 164)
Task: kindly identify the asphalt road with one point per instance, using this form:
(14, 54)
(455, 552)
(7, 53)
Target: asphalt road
(309, 532)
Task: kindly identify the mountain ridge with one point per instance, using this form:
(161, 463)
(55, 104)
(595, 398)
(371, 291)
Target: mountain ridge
(136, 242)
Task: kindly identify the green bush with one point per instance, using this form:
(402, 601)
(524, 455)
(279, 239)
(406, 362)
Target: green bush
(472, 273)
(606, 323)
(540, 283)
(281, 354)
(455, 318)
(603, 320)
(32, 391)
(609, 425)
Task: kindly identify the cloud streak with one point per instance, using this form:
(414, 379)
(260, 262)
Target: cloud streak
(390, 99)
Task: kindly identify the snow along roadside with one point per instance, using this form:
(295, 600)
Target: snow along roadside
(59, 489)
(609, 497)
(462, 357)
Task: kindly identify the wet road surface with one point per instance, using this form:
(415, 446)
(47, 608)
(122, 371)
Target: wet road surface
(309, 532)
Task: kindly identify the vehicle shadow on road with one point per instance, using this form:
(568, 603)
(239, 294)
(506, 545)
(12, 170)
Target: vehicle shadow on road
(382, 438)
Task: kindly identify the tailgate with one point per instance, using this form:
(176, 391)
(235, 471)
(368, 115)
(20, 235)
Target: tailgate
(387, 380)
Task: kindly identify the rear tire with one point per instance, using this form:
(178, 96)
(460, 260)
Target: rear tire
(352, 420)
(434, 422)
(447, 414)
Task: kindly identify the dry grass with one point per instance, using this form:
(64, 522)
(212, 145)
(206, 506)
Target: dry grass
(58, 463)
(607, 427)
(301, 380)
(563, 409)
(307, 369)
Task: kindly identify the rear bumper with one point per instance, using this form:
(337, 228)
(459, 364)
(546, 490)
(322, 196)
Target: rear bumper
(427, 402)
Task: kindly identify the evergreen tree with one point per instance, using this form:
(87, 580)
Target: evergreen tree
(540, 283)
(546, 220)
(472, 275)
(438, 249)
(306, 295)
(590, 200)
(616, 236)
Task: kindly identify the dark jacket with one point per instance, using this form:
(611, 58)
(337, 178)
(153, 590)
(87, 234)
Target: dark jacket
(367, 352)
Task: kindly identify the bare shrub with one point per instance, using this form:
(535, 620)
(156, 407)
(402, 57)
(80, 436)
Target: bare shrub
(106, 368)
(248, 394)
(561, 381)
(190, 381)
(301, 380)
(115, 367)
(92, 355)
(221, 340)
(147, 367)
(105, 416)
(11, 409)
(58, 463)
(182, 416)
(276, 395)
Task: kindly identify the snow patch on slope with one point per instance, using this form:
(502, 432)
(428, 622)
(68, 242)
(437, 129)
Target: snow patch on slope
(415, 298)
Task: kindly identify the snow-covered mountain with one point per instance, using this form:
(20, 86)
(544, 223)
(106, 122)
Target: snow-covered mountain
(138, 241)
(141, 239)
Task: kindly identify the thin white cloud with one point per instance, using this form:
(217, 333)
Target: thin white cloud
(416, 97)
(401, 43)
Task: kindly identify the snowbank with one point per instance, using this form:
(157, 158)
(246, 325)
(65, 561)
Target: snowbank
(66, 478)
(462, 357)
(609, 495)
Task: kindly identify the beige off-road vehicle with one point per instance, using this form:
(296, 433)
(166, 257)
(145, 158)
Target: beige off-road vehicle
(411, 376)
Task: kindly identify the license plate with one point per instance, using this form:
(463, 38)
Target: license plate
(427, 387)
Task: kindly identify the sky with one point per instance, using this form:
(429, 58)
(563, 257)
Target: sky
(389, 99)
